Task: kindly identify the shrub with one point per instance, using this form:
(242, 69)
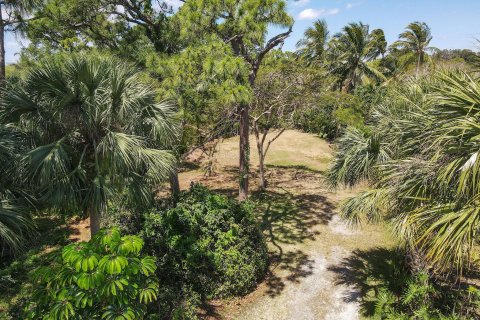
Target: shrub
(105, 278)
(423, 298)
(394, 291)
(207, 246)
(331, 114)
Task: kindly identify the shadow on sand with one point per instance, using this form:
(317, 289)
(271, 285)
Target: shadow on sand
(288, 219)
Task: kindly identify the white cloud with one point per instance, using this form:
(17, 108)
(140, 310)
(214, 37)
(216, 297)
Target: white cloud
(316, 13)
(301, 3)
(351, 5)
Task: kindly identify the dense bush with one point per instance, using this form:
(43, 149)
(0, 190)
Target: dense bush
(105, 278)
(331, 114)
(207, 246)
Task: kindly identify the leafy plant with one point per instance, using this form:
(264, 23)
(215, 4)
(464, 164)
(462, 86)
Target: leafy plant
(208, 246)
(421, 298)
(105, 278)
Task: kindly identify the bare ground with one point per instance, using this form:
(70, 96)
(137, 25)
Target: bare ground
(314, 254)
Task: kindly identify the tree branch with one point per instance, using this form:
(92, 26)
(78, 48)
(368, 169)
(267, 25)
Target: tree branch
(272, 43)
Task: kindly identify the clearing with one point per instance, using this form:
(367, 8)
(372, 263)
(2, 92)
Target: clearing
(319, 266)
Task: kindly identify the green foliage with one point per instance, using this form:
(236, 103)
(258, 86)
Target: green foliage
(207, 246)
(414, 43)
(357, 155)
(248, 20)
(388, 288)
(421, 298)
(314, 43)
(95, 131)
(422, 162)
(105, 278)
(207, 81)
(16, 202)
(131, 29)
(330, 114)
(15, 283)
(349, 54)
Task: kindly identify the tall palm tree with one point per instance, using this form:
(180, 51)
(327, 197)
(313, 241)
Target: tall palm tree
(423, 164)
(378, 44)
(350, 53)
(96, 131)
(313, 44)
(12, 14)
(415, 40)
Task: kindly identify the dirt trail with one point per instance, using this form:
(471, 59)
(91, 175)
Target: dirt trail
(316, 258)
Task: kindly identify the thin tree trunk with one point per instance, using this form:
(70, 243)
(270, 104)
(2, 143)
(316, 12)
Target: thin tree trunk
(418, 65)
(2, 49)
(244, 165)
(174, 184)
(261, 157)
(244, 152)
(94, 221)
(261, 172)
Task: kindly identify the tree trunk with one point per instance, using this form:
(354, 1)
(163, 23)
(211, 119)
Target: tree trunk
(261, 171)
(2, 49)
(94, 221)
(261, 157)
(244, 164)
(419, 62)
(174, 184)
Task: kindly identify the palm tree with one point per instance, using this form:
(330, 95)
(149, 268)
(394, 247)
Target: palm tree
(415, 40)
(96, 132)
(378, 44)
(350, 53)
(313, 44)
(423, 164)
(12, 14)
(15, 207)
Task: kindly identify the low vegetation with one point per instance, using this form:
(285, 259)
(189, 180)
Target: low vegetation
(208, 246)
(105, 278)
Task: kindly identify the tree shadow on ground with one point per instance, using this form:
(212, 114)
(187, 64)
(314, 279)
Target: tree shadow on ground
(300, 168)
(296, 264)
(288, 219)
(367, 272)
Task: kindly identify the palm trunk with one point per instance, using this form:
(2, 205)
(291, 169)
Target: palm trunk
(174, 184)
(94, 220)
(419, 60)
(2, 49)
(244, 152)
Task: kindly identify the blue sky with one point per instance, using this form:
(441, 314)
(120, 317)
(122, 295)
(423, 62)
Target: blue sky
(454, 23)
